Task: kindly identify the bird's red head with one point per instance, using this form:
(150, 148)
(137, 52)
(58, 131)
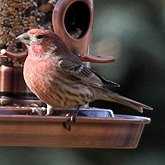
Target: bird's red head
(41, 42)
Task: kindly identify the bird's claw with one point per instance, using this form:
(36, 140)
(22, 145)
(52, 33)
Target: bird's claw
(72, 120)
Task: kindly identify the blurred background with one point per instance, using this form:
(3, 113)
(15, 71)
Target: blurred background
(134, 32)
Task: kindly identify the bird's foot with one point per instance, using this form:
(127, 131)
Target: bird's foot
(72, 120)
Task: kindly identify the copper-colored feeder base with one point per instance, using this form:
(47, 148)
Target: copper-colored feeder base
(19, 129)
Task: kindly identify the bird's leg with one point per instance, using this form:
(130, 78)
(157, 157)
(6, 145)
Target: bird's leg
(49, 110)
(72, 119)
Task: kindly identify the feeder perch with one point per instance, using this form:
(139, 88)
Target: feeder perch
(72, 20)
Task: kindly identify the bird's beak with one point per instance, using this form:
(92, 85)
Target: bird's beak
(24, 38)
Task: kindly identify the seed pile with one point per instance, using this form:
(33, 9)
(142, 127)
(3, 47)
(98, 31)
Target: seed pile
(18, 16)
(10, 62)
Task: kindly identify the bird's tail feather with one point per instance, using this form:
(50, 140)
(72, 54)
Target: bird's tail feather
(112, 96)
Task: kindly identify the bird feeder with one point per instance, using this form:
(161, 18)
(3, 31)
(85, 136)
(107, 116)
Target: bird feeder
(38, 14)
(72, 20)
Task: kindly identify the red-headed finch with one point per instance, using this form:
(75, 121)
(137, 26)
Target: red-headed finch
(59, 78)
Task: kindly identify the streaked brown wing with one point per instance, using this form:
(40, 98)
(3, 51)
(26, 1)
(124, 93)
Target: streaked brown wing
(80, 72)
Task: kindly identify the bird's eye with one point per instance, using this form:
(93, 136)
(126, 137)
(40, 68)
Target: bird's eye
(40, 36)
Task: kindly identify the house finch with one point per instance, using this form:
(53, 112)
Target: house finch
(59, 78)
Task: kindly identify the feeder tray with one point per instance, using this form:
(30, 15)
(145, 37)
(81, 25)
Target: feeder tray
(18, 128)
